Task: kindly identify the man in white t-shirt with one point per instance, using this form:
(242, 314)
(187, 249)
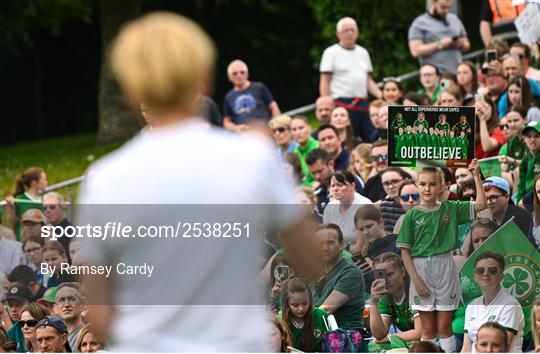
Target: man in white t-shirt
(344, 204)
(196, 291)
(346, 77)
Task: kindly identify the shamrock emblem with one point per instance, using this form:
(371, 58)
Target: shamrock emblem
(516, 282)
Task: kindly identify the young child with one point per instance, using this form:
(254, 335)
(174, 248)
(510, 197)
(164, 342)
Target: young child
(306, 323)
(427, 238)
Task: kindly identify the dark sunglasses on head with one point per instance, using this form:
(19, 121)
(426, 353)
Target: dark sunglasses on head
(482, 270)
(279, 130)
(29, 323)
(384, 157)
(406, 197)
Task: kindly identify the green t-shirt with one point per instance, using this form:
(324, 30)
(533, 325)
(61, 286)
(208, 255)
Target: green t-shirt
(347, 279)
(432, 232)
(528, 169)
(422, 139)
(435, 95)
(345, 254)
(422, 122)
(15, 335)
(401, 314)
(434, 140)
(442, 126)
(20, 208)
(444, 141)
(319, 330)
(312, 144)
(410, 139)
(397, 123)
(515, 148)
(463, 144)
(400, 142)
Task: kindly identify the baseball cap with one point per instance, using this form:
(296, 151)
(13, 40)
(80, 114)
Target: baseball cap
(53, 321)
(532, 125)
(498, 182)
(49, 297)
(34, 215)
(19, 292)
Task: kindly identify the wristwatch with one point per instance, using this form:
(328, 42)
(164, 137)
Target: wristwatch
(439, 45)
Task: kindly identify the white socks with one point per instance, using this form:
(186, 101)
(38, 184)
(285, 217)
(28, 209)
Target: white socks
(448, 344)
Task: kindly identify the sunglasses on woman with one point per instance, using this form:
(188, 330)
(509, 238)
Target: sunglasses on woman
(482, 270)
(29, 323)
(279, 130)
(406, 197)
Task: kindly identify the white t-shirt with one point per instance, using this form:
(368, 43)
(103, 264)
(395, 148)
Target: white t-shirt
(504, 309)
(11, 255)
(345, 221)
(187, 163)
(349, 68)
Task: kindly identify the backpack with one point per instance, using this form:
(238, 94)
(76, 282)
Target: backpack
(343, 341)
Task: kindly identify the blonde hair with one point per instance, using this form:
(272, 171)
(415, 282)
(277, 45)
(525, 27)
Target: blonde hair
(163, 60)
(280, 121)
(363, 153)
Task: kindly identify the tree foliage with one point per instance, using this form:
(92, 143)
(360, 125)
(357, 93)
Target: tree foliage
(383, 27)
(19, 18)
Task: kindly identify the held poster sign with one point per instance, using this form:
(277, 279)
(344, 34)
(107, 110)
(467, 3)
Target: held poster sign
(430, 136)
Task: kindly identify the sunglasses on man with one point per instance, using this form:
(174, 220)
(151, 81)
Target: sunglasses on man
(383, 157)
(486, 270)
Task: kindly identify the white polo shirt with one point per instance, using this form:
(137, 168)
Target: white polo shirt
(345, 221)
(504, 309)
(349, 68)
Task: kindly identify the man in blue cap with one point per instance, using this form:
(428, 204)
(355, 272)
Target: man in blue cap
(499, 201)
(52, 335)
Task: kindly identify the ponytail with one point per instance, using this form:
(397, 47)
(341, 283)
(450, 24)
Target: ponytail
(24, 181)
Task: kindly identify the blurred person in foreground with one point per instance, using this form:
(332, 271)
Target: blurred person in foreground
(165, 61)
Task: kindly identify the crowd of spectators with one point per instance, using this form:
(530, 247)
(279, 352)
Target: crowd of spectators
(391, 241)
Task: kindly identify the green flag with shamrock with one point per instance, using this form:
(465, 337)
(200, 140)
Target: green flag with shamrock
(522, 269)
(490, 166)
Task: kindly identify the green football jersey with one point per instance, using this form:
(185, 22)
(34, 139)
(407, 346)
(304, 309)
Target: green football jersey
(432, 232)
(397, 123)
(434, 140)
(410, 139)
(444, 141)
(422, 139)
(423, 122)
(401, 314)
(443, 126)
(319, 330)
(400, 142)
(463, 144)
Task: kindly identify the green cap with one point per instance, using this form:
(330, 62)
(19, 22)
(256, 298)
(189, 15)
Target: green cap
(49, 295)
(532, 125)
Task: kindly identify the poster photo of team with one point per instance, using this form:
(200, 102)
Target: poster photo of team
(430, 136)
